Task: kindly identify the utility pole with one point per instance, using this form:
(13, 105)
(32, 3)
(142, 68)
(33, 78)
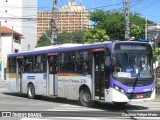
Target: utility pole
(54, 23)
(146, 28)
(127, 20)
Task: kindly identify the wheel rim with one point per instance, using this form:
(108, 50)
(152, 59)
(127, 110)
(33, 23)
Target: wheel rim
(86, 97)
(31, 91)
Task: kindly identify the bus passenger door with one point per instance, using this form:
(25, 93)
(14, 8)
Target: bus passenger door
(19, 74)
(52, 75)
(100, 73)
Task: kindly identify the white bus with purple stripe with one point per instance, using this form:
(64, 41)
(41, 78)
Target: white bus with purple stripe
(114, 71)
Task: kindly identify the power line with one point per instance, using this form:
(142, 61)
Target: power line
(149, 5)
(137, 3)
(111, 5)
(31, 17)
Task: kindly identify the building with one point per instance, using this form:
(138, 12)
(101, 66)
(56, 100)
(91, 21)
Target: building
(73, 18)
(10, 43)
(153, 32)
(70, 18)
(22, 16)
(43, 22)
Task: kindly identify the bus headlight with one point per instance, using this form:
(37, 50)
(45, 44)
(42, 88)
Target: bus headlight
(122, 91)
(119, 89)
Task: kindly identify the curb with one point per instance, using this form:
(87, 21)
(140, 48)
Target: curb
(152, 100)
(157, 99)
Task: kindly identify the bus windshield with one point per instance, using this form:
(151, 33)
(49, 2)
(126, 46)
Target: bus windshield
(132, 64)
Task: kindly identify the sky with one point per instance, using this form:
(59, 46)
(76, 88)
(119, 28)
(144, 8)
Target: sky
(147, 8)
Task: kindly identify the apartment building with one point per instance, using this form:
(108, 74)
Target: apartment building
(22, 16)
(70, 18)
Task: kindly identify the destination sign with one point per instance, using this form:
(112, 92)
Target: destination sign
(132, 47)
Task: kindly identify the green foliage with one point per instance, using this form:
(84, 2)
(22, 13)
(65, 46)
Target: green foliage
(44, 39)
(155, 56)
(74, 37)
(157, 49)
(95, 35)
(113, 22)
(136, 31)
(98, 16)
(64, 37)
(138, 23)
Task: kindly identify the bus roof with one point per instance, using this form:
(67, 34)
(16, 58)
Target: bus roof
(61, 48)
(70, 47)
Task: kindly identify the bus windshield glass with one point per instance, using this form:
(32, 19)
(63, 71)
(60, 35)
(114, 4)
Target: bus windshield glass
(132, 64)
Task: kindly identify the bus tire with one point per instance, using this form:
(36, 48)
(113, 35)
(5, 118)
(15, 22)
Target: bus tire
(31, 91)
(85, 98)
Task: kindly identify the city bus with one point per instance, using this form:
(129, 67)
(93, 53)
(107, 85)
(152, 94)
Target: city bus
(112, 71)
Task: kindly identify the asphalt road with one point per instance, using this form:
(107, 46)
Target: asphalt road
(19, 106)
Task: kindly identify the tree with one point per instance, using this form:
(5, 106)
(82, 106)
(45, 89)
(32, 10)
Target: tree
(138, 25)
(64, 37)
(95, 35)
(73, 37)
(113, 22)
(136, 31)
(44, 39)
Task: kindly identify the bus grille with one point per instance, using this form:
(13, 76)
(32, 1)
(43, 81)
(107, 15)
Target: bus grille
(138, 83)
(134, 95)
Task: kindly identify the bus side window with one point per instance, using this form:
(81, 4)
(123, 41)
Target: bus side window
(28, 64)
(12, 65)
(82, 61)
(67, 61)
(39, 63)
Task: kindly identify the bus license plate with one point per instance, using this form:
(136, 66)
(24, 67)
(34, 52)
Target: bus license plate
(139, 96)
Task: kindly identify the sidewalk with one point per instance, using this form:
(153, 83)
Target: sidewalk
(157, 99)
(2, 83)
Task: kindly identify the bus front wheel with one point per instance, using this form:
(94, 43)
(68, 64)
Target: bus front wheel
(31, 91)
(85, 98)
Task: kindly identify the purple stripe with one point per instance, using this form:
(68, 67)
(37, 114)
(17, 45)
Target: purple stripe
(133, 89)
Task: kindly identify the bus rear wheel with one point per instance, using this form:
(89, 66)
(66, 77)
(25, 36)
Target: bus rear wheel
(85, 98)
(31, 91)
